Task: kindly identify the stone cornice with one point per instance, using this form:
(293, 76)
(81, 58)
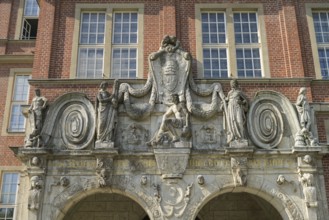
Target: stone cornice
(139, 81)
(16, 58)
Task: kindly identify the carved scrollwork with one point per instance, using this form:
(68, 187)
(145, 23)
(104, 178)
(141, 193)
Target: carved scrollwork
(265, 124)
(76, 126)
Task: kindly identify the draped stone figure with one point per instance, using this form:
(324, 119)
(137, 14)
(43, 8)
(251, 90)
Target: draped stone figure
(35, 191)
(303, 109)
(36, 117)
(237, 107)
(304, 136)
(309, 190)
(107, 105)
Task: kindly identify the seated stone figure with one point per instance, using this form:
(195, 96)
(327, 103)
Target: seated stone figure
(178, 128)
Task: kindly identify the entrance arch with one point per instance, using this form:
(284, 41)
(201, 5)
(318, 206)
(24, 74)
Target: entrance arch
(106, 206)
(237, 206)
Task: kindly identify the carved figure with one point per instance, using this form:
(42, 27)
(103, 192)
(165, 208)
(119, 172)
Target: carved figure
(307, 159)
(35, 161)
(34, 194)
(200, 179)
(309, 190)
(281, 180)
(102, 178)
(239, 171)
(181, 122)
(304, 135)
(144, 180)
(64, 181)
(36, 117)
(107, 113)
(237, 107)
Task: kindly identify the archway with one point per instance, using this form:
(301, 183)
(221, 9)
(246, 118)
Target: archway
(238, 206)
(101, 206)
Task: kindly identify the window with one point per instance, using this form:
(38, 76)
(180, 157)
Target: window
(317, 15)
(19, 97)
(232, 44)
(108, 43)
(124, 44)
(9, 189)
(321, 28)
(91, 45)
(30, 20)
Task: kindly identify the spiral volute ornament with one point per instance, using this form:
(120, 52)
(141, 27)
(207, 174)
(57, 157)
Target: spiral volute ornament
(265, 125)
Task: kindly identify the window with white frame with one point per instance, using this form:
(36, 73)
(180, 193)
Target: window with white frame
(247, 44)
(232, 41)
(321, 28)
(124, 45)
(91, 45)
(107, 41)
(30, 20)
(216, 49)
(19, 97)
(9, 187)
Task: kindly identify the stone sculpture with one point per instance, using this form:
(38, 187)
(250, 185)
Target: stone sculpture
(201, 180)
(178, 128)
(304, 136)
(64, 181)
(107, 105)
(239, 171)
(281, 180)
(36, 118)
(307, 159)
(103, 171)
(309, 190)
(235, 113)
(35, 193)
(35, 161)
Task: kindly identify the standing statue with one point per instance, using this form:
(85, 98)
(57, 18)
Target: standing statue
(36, 117)
(178, 128)
(35, 191)
(236, 109)
(304, 135)
(107, 105)
(309, 190)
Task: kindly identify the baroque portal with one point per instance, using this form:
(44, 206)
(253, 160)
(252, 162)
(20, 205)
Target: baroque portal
(172, 144)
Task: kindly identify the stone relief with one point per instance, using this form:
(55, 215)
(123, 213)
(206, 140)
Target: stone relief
(143, 180)
(36, 118)
(239, 171)
(201, 180)
(134, 138)
(309, 190)
(35, 193)
(104, 171)
(177, 129)
(236, 106)
(35, 162)
(174, 200)
(70, 123)
(64, 181)
(307, 159)
(106, 105)
(304, 136)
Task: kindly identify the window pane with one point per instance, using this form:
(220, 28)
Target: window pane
(215, 63)
(324, 61)
(213, 29)
(124, 63)
(9, 188)
(248, 62)
(31, 8)
(21, 88)
(125, 28)
(92, 28)
(90, 63)
(245, 27)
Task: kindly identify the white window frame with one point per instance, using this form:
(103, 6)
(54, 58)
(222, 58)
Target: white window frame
(229, 10)
(10, 93)
(25, 25)
(310, 8)
(109, 9)
(14, 206)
